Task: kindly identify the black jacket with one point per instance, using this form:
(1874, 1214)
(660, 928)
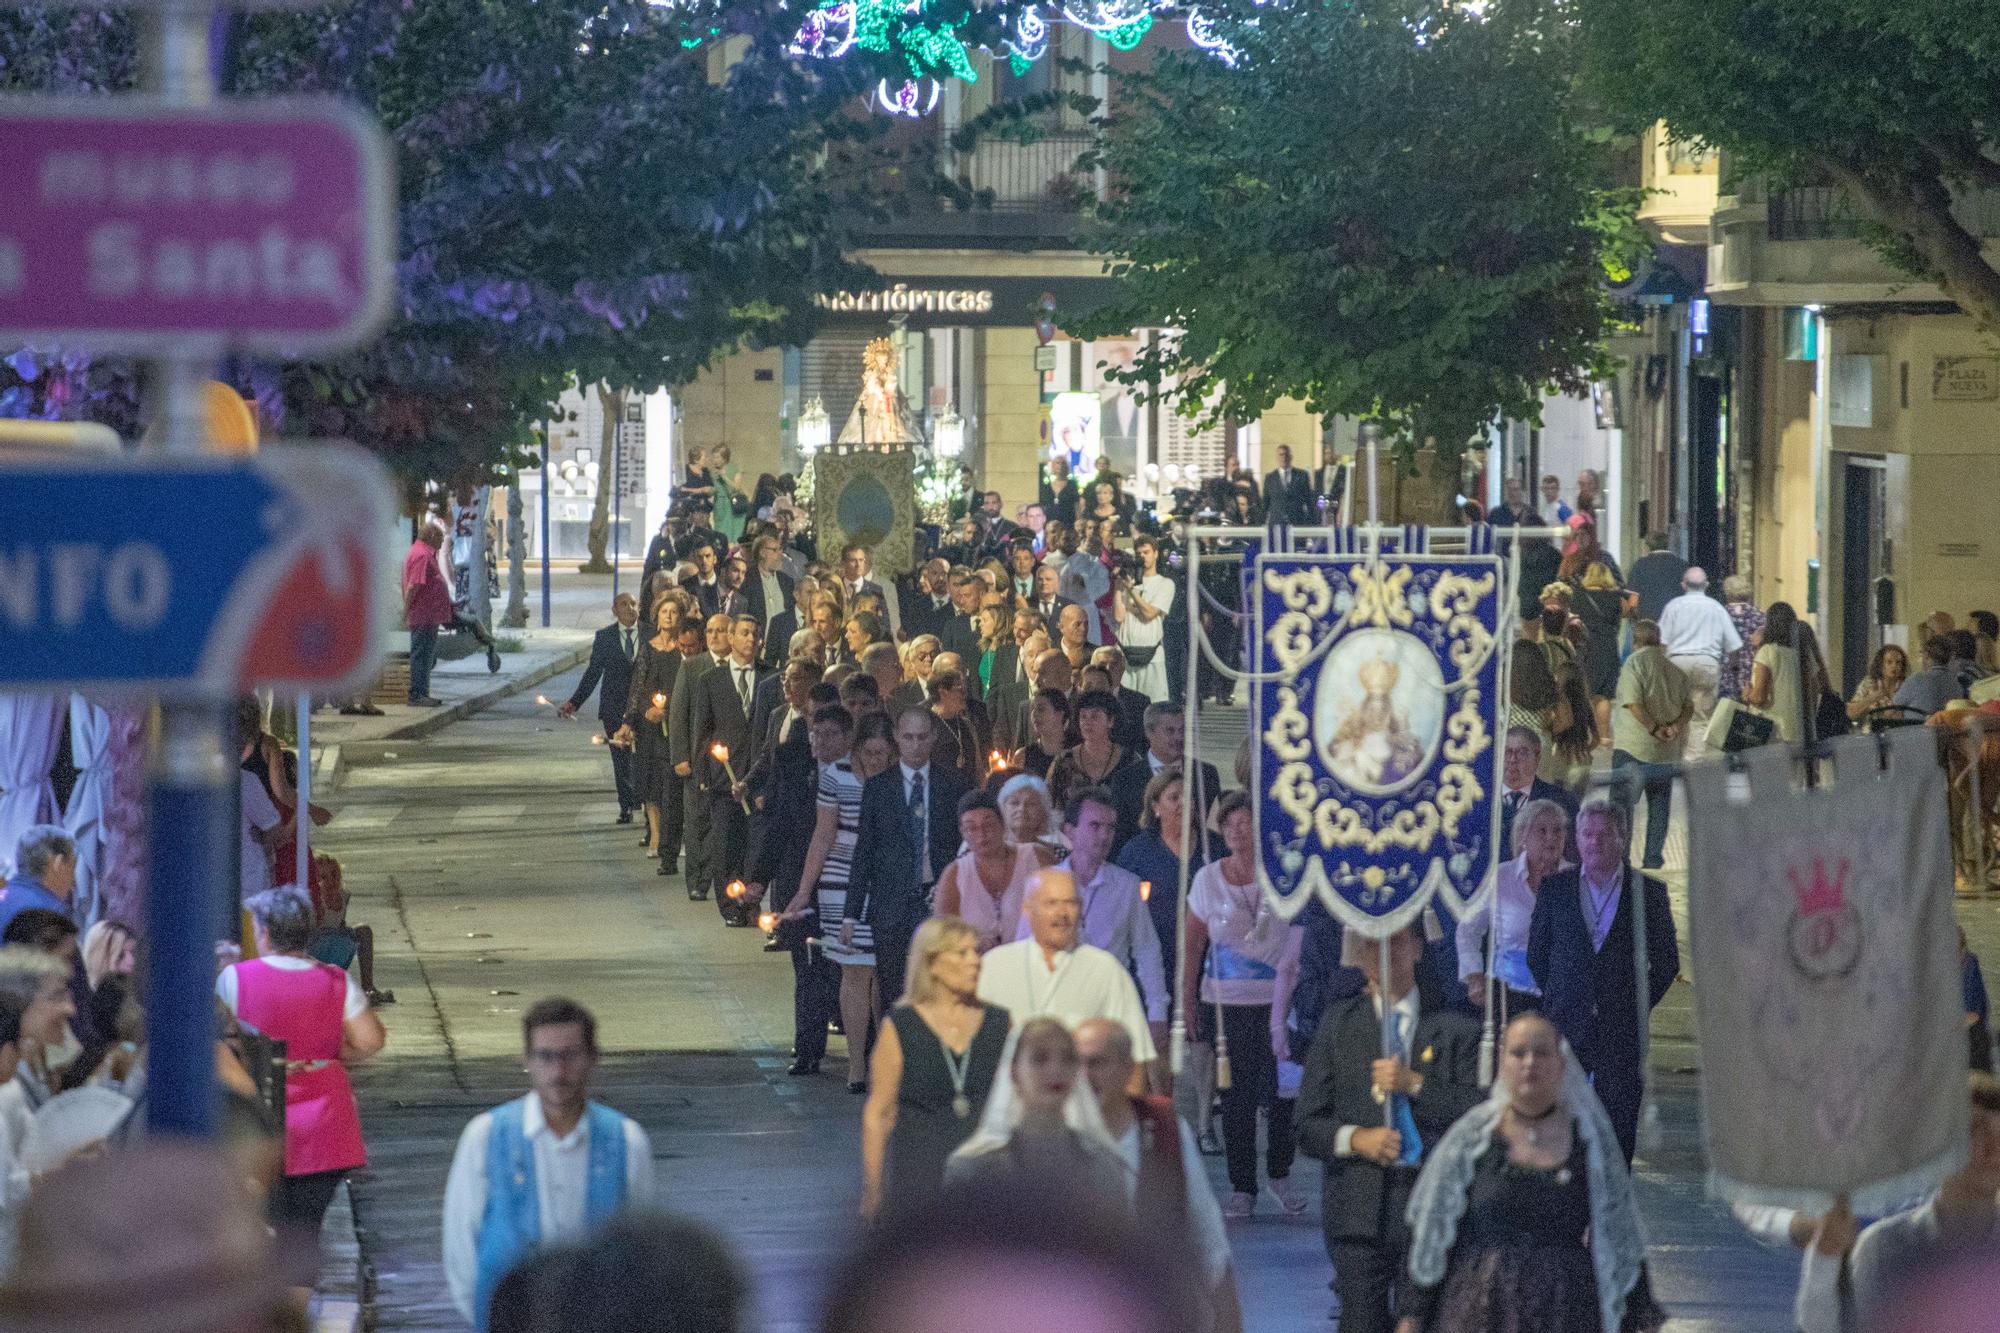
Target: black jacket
(1363, 1201)
(609, 672)
(1288, 503)
(753, 596)
(1539, 790)
(787, 784)
(717, 714)
(1591, 995)
(884, 888)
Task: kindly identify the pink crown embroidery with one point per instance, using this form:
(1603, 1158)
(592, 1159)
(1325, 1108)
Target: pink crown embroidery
(1821, 895)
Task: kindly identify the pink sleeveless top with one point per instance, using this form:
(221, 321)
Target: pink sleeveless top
(994, 922)
(306, 1009)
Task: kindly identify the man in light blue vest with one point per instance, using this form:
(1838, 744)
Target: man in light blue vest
(543, 1169)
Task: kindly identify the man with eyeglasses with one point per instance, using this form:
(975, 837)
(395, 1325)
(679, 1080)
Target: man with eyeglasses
(540, 1170)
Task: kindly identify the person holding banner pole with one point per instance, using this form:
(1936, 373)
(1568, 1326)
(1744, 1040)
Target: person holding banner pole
(1603, 962)
(1420, 1081)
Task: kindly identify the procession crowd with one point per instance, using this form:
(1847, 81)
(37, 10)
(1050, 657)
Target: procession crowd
(958, 799)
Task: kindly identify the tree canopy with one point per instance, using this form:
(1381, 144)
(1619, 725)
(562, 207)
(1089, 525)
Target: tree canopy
(1895, 103)
(1384, 209)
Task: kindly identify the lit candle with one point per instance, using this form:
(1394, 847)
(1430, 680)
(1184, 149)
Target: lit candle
(542, 699)
(597, 740)
(659, 701)
(996, 760)
(721, 753)
(735, 889)
(1145, 890)
(767, 922)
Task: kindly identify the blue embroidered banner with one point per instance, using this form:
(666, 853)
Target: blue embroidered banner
(1377, 751)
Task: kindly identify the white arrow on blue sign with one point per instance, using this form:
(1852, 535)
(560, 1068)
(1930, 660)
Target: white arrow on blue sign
(192, 575)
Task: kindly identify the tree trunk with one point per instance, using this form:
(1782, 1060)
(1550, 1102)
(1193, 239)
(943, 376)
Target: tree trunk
(1920, 212)
(611, 410)
(516, 615)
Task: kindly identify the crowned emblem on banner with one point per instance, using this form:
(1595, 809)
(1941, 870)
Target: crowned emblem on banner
(1375, 726)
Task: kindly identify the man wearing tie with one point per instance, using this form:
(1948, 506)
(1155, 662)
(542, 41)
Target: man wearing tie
(1371, 1112)
(908, 835)
(681, 750)
(768, 591)
(1519, 785)
(1329, 483)
(612, 653)
(1584, 949)
(722, 707)
(1047, 602)
(1287, 491)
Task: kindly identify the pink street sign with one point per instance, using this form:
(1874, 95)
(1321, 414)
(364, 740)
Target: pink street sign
(131, 226)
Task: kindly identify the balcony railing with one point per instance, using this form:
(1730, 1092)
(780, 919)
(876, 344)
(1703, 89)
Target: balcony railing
(1824, 213)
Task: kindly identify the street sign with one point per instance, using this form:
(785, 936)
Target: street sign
(189, 575)
(1045, 358)
(133, 226)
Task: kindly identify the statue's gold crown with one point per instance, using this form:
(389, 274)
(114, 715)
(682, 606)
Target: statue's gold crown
(1378, 676)
(879, 356)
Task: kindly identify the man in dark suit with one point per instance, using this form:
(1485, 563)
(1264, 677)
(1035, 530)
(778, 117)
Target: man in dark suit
(1329, 483)
(767, 591)
(612, 653)
(1047, 601)
(722, 706)
(1583, 947)
(681, 751)
(1288, 494)
(961, 632)
(1167, 747)
(1131, 729)
(927, 608)
(1353, 1087)
(908, 835)
(1520, 785)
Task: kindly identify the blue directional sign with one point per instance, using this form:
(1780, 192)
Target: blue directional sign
(190, 575)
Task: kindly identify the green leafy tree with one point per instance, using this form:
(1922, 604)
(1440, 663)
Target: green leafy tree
(1896, 103)
(1386, 209)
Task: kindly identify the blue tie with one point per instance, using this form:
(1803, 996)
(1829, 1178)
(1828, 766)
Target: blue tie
(1402, 1121)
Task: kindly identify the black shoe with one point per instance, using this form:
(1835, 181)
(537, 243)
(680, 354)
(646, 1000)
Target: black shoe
(736, 921)
(624, 816)
(493, 659)
(858, 1089)
(670, 867)
(697, 895)
(665, 870)
(1654, 865)
(803, 1068)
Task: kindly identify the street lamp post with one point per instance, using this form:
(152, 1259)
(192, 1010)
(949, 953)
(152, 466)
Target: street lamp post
(948, 435)
(815, 428)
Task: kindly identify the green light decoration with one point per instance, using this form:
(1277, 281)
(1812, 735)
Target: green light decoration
(1129, 35)
(927, 50)
(1020, 64)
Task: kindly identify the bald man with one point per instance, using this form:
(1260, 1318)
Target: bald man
(1052, 973)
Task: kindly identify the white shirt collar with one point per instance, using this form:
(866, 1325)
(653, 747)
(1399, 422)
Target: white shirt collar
(534, 1124)
(1602, 888)
(910, 774)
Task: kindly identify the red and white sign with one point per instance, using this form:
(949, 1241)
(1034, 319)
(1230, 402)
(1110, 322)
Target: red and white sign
(133, 226)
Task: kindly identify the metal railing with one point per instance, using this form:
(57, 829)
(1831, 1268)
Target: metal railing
(1038, 177)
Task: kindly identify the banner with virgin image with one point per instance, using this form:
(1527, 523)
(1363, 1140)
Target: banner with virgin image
(1375, 750)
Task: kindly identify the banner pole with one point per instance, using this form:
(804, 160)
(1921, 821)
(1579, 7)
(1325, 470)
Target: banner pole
(1190, 776)
(302, 794)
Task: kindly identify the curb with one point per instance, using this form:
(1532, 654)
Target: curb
(464, 708)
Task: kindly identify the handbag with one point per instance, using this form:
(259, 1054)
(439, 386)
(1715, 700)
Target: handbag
(1140, 657)
(1747, 731)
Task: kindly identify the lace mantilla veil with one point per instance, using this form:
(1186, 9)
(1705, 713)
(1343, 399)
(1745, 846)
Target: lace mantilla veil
(1617, 1245)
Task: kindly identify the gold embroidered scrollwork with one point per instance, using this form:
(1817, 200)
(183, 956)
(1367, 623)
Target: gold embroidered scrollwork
(1381, 596)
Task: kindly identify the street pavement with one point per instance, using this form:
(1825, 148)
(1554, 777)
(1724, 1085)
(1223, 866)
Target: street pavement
(487, 860)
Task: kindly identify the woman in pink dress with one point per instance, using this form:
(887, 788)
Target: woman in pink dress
(985, 885)
(324, 1020)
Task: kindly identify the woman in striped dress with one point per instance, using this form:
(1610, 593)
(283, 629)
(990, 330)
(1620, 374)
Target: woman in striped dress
(829, 864)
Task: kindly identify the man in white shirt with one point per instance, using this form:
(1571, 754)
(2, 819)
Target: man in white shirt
(1112, 916)
(539, 1170)
(1055, 974)
(1697, 634)
(1084, 579)
(1166, 1165)
(259, 830)
(1962, 1217)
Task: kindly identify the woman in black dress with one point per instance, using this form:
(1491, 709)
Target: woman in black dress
(1523, 1217)
(654, 670)
(933, 1065)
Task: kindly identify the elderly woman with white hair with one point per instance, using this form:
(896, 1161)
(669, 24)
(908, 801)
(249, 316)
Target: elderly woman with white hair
(1029, 814)
(1523, 1216)
(1493, 958)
